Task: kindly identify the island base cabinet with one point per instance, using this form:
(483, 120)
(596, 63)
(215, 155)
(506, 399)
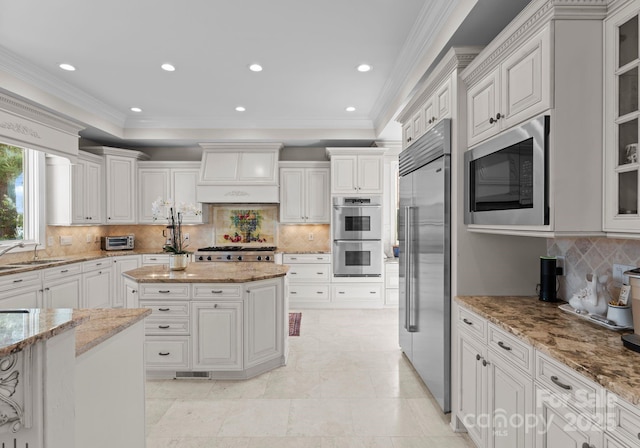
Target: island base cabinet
(217, 336)
(263, 323)
(162, 353)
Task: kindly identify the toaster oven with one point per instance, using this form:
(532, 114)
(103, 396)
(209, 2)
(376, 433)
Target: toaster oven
(117, 242)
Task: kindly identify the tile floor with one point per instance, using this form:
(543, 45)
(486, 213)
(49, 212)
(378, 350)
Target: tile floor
(346, 385)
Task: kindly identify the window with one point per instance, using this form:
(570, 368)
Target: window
(21, 195)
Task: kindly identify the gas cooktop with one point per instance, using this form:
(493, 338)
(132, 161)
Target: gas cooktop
(235, 253)
(237, 249)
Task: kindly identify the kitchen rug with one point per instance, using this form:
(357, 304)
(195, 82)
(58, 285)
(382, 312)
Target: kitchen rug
(294, 324)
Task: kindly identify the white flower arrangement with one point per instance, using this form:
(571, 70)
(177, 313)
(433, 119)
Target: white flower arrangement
(173, 213)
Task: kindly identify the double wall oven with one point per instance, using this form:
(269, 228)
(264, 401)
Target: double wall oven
(357, 236)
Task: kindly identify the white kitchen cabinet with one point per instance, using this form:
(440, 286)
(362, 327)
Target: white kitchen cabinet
(436, 106)
(175, 181)
(62, 286)
(122, 264)
(518, 89)
(263, 316)
(391, 283)
(623, 423)
(472, 391)
(24, 297)
(153, 259)
(217, 335)
(309, 278)
(622, 118)
(97, 284)
(305, 193)
(365, 295)
(356, 170)
(75, 191)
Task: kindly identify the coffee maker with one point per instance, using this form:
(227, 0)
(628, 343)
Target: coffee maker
(632, 341)
(549, 271)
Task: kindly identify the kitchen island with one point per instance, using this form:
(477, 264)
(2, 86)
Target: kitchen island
(71, 376)
(212, 320)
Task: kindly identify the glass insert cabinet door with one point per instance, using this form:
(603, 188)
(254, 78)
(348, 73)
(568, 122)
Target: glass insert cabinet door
(622, 61)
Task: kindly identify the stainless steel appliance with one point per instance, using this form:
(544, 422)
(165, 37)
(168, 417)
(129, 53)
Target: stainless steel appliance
(117, 242)
(425, 273)
(235, 253)
(357, 218)
(506, 177)
(357, 258)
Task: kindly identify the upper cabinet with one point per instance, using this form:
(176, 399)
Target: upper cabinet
(75, 191)
(239, 172)
(517, 89)
(356, 170)
(305, 193)
(547, 61)
(622, 59)
(121, 168)
(175, 181)
(436, 106)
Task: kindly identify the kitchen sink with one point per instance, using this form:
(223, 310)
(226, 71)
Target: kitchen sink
(17, 310)
(7, 268)
(34, 262)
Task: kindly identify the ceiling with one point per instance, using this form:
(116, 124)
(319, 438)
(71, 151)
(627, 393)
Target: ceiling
(309, 52)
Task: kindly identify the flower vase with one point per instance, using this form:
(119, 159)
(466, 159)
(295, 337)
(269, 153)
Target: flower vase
(178, 262)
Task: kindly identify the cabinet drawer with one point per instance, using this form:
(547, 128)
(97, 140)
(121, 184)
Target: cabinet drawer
(625, 419)
(164, 309)
(166, 353)
(519, 353)
(159, 326)
(309, 272)
(359, 292)
(306, 258)
(148, 259)
(62, 271)
(392, 275)
(94, 265)
(20, 280)
(570, 386)
(472, 324)
(164, 291)
(309, 293)
(216, 291)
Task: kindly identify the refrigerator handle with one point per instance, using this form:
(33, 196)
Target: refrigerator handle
(409, 321)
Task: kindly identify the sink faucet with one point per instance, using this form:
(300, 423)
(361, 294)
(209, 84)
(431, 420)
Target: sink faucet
(7, 249)
(35, 252)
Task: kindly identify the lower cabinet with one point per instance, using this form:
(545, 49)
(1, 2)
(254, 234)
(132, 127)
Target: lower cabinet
(63, 292)
(471, 402)
(97, 289)
(122, 264)
(217, 335)
(27, 297)
(263, 321)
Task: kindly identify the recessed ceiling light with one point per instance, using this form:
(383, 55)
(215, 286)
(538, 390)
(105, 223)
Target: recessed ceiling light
(350, 109)
(364, 68)
(136, 109)
(255, 67)
(168, 67)
(67, 67)
(240, 109)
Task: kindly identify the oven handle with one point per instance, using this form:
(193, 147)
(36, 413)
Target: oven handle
(409, 321)
(338, 207)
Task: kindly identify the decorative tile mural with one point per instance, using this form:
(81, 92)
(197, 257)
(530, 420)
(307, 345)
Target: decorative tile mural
(586, 255)
(237, 225)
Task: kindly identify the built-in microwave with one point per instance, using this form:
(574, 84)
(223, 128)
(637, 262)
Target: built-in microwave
(506, 180)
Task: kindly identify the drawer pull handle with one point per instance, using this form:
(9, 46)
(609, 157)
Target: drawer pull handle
(216, 291)
(505, 347)
(164, 327)
(164, 353)
(153, 259)
(320, 258)
(558, 383)
(372, 292)
(293, 292)
(293, 258)
(319, 292)
(98, 264)
(340, 292)
(17, 281)
(320, 273)
(293, 273)
(467, 321)
(64, 270)
(164, 309)
(164, 291)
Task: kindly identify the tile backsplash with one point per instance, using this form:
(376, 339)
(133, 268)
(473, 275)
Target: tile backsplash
(586, 255)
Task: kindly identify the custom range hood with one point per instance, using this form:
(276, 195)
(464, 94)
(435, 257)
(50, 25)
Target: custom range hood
(239, 173)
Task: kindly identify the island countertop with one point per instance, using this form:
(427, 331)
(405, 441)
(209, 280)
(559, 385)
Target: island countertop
(98, 325)
(585, 347)
(232, 272)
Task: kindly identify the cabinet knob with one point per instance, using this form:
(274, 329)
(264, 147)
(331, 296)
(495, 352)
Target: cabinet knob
(587, 445)
(485, 362)
(133, 291)
(215, 305)
(478, 357)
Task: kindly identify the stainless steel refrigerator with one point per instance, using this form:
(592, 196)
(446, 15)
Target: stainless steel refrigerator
(424, 228)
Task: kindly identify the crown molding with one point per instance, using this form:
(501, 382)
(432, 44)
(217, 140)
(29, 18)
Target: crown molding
(36, 114)
(41, 79)
(533, 18)
(424, 32)
(207, 122)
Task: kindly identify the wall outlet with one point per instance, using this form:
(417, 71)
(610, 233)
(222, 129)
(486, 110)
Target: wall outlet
(50, 241)
(186, 237)
(560, 265)
(66, 240)
(311, 237)
(618, 277)
(89, 238)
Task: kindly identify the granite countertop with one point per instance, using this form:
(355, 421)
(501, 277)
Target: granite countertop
(304, 252)
(587, 348)
(209, 273)
(98, 325)
(20, 330)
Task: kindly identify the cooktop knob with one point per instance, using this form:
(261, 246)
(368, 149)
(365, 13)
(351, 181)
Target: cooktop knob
(259, 258)
(209, 258)
(239, 257)
(200, 258)
(267, 258)
(228, 257)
